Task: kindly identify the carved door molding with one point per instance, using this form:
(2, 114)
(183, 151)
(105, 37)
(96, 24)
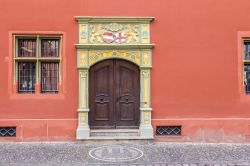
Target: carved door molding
(103, 38)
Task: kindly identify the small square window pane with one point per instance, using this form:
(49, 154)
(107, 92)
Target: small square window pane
(26, 77)
(50, 48)
(49, 77)
(26, 48)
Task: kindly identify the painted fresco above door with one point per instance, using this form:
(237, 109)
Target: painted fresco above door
(114, 33)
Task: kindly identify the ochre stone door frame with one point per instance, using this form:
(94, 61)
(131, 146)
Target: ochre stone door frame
(130, 40)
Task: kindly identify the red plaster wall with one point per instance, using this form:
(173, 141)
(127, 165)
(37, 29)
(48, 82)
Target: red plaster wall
(196, 74)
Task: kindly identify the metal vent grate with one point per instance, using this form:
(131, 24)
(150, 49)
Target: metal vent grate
(7, 131)
(168, 130)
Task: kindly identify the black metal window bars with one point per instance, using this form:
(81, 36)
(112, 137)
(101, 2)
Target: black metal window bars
(38, 57)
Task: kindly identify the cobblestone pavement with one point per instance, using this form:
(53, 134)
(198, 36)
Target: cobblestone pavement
(154, 154)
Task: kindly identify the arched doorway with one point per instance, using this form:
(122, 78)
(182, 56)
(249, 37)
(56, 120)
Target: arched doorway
(114, 95)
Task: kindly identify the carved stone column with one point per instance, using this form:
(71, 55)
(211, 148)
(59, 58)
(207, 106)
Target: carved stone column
(146, 129)
(83, 127)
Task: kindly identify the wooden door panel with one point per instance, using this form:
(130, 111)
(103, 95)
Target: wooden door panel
(126, 80)
(101, 111)
(114, 95)
(127, 111)
(101, 95)
(127, 94)
(102, 75)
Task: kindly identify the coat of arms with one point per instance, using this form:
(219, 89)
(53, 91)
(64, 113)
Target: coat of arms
(111, 33)
(109, 37)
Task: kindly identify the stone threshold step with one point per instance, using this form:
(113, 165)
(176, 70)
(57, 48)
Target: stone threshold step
(114, 131)
(118, 138)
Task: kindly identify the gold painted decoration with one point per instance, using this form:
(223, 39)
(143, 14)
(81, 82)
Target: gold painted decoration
(147, 118)
(114, 27)
(146, 93)
(83, 58)
(145, 33)
(83, 88)
(97, 55)
(83, 118)
(83, 73)
(83, 33)
(96, 32)
(132, 34)
(146, 58)
(114, 33)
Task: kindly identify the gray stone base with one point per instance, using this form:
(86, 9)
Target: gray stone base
(146, 131)
(82, 133)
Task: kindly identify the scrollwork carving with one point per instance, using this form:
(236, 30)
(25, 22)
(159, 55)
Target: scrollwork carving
(98, 55)
(83, 73)
(114, 27)
(145, 74)
(114, 33)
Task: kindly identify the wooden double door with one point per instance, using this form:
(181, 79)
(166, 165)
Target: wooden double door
(114, 88)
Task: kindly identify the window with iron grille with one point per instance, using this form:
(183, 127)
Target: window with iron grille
(26, 77)
(49, 48)
(168, 130)
(26, 48)
(37, 61)
(49, 77)
(7, 131)
(246, 66)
